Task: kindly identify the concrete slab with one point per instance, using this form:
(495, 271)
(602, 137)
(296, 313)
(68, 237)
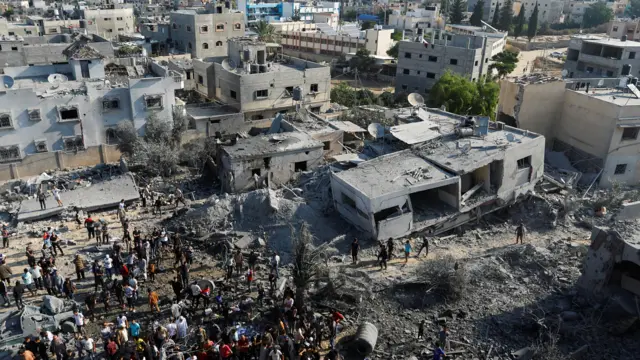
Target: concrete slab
(99, 196)
(629, 211)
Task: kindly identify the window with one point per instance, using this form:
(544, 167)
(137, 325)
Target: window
(314, 88)
(188, 28)
(433, 58)
(404, 87)
(288, 92)
(205, 46)
(41, 145)
(630, 133)
(119, 18)
(68, 113)
(300, 166)
(524, 163)
(326, 145)
(431, 75)
(262, 94)
(109, 104)
(111, 137)
(28, 32)
(204, 29)
(407, 55)
(5, 121)
(632, 55)
(53, 30)
(609, 73)
(453, 61)
(237, 26)
(175, 26)
(189, 46)
(406, 71)
(9, 153)
(232, 94)
(109, 30)
(72, 143)
(14, 48)
(620, 169)
(120, 29)
(34, 115)
(200, 80)
(153, 102)
(219, 27)
(347, 200)
(615, 28)
(107, 19)
(218, 43)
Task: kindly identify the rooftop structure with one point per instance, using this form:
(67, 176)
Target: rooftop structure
(461, 170)
(591, 56)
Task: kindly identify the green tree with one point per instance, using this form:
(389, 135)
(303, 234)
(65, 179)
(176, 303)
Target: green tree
(504, 63)
(495, 22)
(478, 13)
(308, 261)
(461, 96)
(343, 94)
(520, 20)
(633, 9)
(349, 15)
(362, 61)
(596, 14)
(506, 16)
(8, 13)
(444, 7)
(393, 51)
(532, 28)
(456, 14)
(266, 32)
(387, 99)
(397, 35)
(367, 25)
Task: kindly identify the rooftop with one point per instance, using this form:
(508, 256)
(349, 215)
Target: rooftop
(261, 145)
(607, 41)
(612, 96)
(393, 173)
(207, 111)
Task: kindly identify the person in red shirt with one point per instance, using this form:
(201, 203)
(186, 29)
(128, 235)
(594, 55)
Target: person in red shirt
(336, 316)
(225, 351)
(124, 271)
(243, 348)
(249, 278)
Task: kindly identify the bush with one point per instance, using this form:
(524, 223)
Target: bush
(127, 137)
(442, 278)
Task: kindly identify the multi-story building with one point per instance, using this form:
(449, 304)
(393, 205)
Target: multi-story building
(549, 11)
(46, 49)
(109, 23)
(421, 64)
(326, 46)
(591, 56)
(37, 25)
(205, 33)
(259, 82)
(72, 106)
(282, 11)
(620, 27)
(423, 19)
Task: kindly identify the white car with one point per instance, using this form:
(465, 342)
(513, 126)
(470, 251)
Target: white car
(556, 54)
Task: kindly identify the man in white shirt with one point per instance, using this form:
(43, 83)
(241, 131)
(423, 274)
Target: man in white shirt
(79, 319)
(108, 266)
(36, 273)
(275, 263)
(89, 346)
(195, 295)
(172, 330)
(121, 321)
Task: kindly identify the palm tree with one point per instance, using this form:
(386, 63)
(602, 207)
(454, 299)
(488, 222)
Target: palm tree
(266, 32)
(307, 261)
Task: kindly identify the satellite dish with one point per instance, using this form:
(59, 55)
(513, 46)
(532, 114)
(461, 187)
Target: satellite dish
(57, 78)
(564, 72)
(228, 64)
(376, 130)
(510, 137)
(415, 99)
(601, 82)
(7, 81)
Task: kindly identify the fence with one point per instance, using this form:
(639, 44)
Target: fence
(36, 164)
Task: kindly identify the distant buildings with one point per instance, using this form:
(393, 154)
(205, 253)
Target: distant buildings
(109, 23)
(592, 56)
(420, 64)
(285, 11)
(620, 27)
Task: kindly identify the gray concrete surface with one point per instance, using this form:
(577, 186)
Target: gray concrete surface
(629, 211)
(99, 196)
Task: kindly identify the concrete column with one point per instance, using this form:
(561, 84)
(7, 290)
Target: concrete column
(14, 171)
(59, 160)
(103, 154)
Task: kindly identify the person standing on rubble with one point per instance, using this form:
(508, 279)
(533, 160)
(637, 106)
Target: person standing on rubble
(55, 244)
(382, 256)
(275, 263)
(80, 265)
(97, 231)
(355, 247)
(122, 211)
(56, 196)
(424, 245)
(407, 251)
(390, 248)
(520, 233)
(88, 224)
(3, 293)
(5, 237)
(179, 197)
(42, 198)
(230, 265)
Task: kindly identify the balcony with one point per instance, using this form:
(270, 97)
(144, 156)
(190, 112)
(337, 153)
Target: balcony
(600, 61)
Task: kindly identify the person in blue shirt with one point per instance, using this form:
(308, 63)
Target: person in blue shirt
(134, 328)
(407, 251)
(438, 353)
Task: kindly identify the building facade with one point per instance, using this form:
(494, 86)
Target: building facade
(46, 49)
(595, 57)
(109, 23)
(620, 27)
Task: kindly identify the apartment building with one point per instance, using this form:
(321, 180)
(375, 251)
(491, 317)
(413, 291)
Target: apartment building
(35, 25)
(205, 33)
(80, 105)
(420, 64)
(259, 82)
(281, 11)
(110, 23)
(327, 45)
(592, 56)
(46, 49)
(423, 19)
(619, 27)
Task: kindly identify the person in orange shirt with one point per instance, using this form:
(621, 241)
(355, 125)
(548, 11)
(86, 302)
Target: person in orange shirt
(249, 278)
(153, 301)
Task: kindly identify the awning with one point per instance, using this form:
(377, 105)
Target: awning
(414, 133)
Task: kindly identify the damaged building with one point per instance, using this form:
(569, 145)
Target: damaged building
(452, 170)
(267, 160)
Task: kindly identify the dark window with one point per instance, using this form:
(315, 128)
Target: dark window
(204, 29)
(524, 163)
(327, 145)
(154, 102)
(69, 114)
(218, 43)
(188, 28)
(205, 45)
(267, 162)
(630, 133)
(609, 73)
(632, 55)
(5, 121)
(41, 146)
(34, 115)
(255, 172)
(219, 27)
(110, 104)
(431, 75)
(433, 58)
(620, 169)
(11, 33)
(237, 26)
(314, 87)
(453, 61)
(200, 80)
(404, 87)
(347, 200)
(232, 94)
(14, 48)
(262, 93)
(300, 166)
(119, 18)
(9, 153)
(407, 55)
(288, 91)
(406, 71)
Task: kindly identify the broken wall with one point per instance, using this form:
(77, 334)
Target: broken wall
(515, 180)
(605, 250)
(352, 205)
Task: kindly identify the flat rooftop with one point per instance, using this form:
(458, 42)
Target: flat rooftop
(393, 173)
(608, 41)
(206, 112)
(612, 96)
(261, 145)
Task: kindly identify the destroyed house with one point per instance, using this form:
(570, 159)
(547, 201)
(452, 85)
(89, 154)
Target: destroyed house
(453, 176)
(267, 160)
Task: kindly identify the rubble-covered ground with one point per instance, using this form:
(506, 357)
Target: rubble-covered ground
(495, 296)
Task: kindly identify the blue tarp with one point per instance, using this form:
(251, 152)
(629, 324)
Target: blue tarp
(368, 17)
